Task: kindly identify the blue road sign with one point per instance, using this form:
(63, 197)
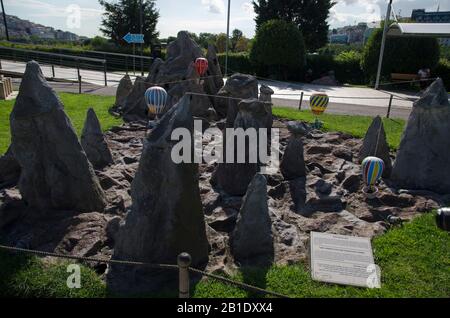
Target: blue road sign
(134, 38)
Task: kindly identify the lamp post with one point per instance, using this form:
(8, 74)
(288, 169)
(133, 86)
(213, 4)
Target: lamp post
(228, 37)
(383, 43)
(4, 21)
(141, 24)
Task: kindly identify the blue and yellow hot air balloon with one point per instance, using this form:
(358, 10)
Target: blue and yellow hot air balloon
(156, 99)
(319, 103)
(372, 170)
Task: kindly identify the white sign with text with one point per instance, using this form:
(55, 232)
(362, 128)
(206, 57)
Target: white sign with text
(345, 260)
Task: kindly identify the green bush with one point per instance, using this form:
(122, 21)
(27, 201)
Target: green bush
(237, 63)
(279, 47)
(442, 70)
(401, 55)
(348, 68)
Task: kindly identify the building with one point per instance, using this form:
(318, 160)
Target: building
(339, 38)
(421, 16)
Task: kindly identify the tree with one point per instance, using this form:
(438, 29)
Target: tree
(236, 36)
(123, 16)
(401, 55)
(279, 46)
(309, 15)
(242, 45)
(221, 42)
(205, 39)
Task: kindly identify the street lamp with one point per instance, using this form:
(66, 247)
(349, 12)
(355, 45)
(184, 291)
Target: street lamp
(228, 37)
(4, 21)
(383, 42)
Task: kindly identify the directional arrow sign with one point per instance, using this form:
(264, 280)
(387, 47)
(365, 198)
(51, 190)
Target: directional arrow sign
(134, 38)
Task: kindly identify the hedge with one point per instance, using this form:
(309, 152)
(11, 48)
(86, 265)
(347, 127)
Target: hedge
(442, 70)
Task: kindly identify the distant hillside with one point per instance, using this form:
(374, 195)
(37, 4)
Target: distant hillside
(23, 29)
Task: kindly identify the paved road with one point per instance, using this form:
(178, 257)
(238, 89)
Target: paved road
(343, 99)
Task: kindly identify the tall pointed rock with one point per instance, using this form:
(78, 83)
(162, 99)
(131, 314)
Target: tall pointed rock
(56, 173)
(166, 218)
(94, 143)
(375, 144)
(423, 158)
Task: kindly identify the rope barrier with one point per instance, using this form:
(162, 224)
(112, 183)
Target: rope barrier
(149, 265)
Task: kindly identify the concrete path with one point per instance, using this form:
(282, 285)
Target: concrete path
(343, 99)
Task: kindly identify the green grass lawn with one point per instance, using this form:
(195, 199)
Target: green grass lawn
(76, 107)
(414, 260)
(354, 125)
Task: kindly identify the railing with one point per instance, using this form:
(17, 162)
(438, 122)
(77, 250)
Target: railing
(55, 59)
(183, 267)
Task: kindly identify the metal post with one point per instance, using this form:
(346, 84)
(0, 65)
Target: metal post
(142, 44)
(4, 21)
(301, 102)
(104, 71)
(228, 37)
(184, 261)
(53, 71)
(390, 106)
(79, 77)
(383, 43)
(134, 59)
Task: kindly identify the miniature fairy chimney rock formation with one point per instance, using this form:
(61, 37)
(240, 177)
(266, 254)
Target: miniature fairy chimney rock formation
(56, 173)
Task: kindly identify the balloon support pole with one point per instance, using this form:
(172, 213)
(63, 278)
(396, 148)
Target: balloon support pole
(370, 192)
(317, 124)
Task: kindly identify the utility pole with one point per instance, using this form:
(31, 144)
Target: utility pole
(383, 43)
(228, 38)
(4, 21)
(141, 23)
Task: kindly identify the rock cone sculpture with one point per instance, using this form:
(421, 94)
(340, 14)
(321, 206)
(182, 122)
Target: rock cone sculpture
(375, 144)
(123, 90)
(166, 218)
(293, 162)
(214, 79)
(239, 86)
(56, 173)
(135, 105)
(9, 169)
(234, 178)
(265, 94)
(94, 143)
(423, 158)
(252, 236)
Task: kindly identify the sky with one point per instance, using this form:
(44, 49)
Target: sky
(200, 15)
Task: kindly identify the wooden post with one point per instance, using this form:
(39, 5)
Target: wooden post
(184, 261)
(53, 70)
(301, 102)
(390, 106)
(104, 71)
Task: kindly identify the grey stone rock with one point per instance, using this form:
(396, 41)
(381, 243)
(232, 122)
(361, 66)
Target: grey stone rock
(222, 219)
(298, 128)
(135, 106)
(265, 93)
(252, 237)
(93, 142)
(234, 178)
(123, 90)
(375, 145)
(293, 163)
(423, 158)
(56, 173)
(214, 79)
(238, 86)
(352, 183)
(9, 169)
(166, 218)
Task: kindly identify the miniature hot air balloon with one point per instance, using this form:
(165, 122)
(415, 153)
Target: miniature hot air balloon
(318, 103)
(156, 99)
(201, 66)
(372, 170)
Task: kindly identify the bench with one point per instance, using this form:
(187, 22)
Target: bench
(400, 77)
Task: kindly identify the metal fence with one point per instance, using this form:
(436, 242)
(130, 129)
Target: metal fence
(183, 266)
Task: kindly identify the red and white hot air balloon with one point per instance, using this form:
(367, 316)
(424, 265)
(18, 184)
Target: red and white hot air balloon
(201, 66)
